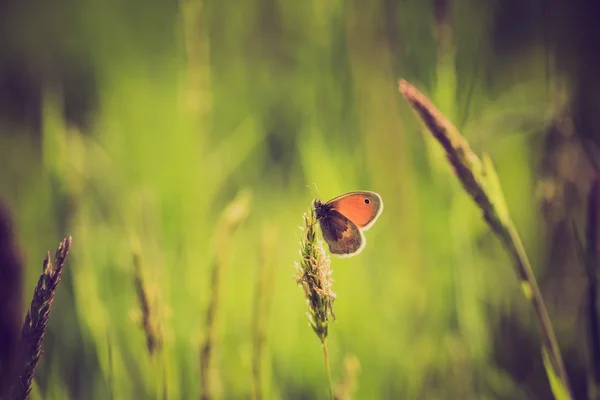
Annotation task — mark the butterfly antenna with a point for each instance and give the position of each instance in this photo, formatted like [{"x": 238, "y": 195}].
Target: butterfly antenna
[{"x": 314, "y": 189}]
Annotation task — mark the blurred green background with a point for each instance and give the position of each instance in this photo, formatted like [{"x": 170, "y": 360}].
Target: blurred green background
[{"x": 131, "y": 126}]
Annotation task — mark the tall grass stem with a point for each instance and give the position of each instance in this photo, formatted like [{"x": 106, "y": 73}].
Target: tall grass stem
[
  {"x": 326, "y": 356},
  {"x": 480, "y": 181},
  {"x": 233, "y": 215},
  {"x": 264, "y": 288}
]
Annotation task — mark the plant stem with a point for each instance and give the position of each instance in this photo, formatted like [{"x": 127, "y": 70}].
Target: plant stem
[
  {"x": 233, "y": 215},
  {"x": 515, "y": 246},
  {"x": 326, "y": 355},
  {"x": 480, "y": 181}
]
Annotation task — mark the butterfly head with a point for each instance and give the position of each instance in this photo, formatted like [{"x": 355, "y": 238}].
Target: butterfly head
[{"x": 321, "y": 209}]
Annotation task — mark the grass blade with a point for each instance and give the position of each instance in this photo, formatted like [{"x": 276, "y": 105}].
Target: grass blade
[{"x": 480, "y": 181}]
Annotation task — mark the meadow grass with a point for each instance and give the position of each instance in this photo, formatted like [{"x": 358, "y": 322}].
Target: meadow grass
[
  {"x": 480, "y": 180},
  {"x": 263, "y": 299},
  {"x": 347, "y": 385},
  {"x": 36, "y": 320},
  {"x": 234, "y": 214},
  {"x": 191, "y": 111},
  {"x": 149, "y": 319},
  {"x": 314, "y": 275}
]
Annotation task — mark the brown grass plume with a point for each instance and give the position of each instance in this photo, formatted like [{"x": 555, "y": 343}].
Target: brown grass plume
[
  {"x": 480, "y": 181},
  {"x": 36, "y": 320}
]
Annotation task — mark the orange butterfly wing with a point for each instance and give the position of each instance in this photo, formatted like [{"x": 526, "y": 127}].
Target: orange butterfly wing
[
  {"x": 362, "y": 208},
  {"x": 342, "y": 235}
]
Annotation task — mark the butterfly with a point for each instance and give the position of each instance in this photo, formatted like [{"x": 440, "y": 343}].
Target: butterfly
[{"x": 344, "y": 218}]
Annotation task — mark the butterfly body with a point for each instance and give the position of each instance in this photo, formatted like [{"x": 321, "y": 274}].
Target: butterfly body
[{"x": 344, "y": 218}]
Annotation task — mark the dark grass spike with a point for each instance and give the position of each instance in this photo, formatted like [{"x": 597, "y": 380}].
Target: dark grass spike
[
  {"x": 150, "y": 321},
  {"x": 36, "y": 320},
  {"x": 11, "y": 304},
  {"x": 479, "y": 180}
]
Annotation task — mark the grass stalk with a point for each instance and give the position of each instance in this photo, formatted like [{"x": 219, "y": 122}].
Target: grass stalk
[
  {"x": 151, "y": 323},
  {"x": 233, "y": 215},
  {"x": 327, "y": 366},
  {"x": 345, "y": 388},
  {"x": 480, "y": 181},
  {"x": 149, "y": 318},
  {"x": 262, "y": 305},
  {"x": 36, "y": 320},
  {"x": 313, "y": 273},
  {"x": 198, "y": 94}
]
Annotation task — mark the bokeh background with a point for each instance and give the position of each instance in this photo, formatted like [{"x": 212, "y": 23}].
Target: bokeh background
[{"x": 132, "y": 126}]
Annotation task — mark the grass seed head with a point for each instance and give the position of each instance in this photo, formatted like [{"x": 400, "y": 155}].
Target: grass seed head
[{"x": 314, "y": 274}]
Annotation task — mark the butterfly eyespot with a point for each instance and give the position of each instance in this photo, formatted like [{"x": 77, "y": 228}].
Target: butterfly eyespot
[{"x": 367, "y": 201}]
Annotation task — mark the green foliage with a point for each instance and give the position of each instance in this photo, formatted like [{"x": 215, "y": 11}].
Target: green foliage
[
  {"x": 479, "y": 179},
  {"x": 295, "y": 96},
  {"x": 559, "y": 389}
]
